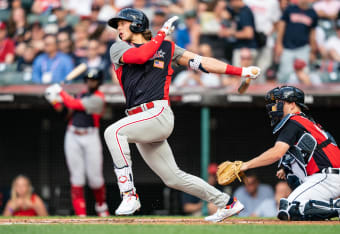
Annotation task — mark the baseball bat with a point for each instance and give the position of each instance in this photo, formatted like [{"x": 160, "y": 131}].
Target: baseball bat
[
  {"x": 244, "y": 86},
  {"x": 76, "y": 72}
]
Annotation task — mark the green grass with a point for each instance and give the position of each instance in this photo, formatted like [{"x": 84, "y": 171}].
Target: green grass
[{"x": 168, "y": 229}]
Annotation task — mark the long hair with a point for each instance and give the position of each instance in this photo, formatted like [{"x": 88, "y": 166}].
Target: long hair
[
  {"x": 147, "y": 34},
  {"x": 14, "y": 195}
]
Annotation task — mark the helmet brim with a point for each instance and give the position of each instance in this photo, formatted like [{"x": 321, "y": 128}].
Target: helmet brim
[{"x": 113, "y": 22}]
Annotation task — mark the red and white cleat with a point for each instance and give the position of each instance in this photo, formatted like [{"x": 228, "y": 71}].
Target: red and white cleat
[
  {"x": 228, "y": 211},
  {"x": 129, "y": 205}
]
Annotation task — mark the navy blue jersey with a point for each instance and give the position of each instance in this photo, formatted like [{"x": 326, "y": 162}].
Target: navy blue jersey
[
  {"x": 150, "y": 81},
  {"x": 244, "y": 18},
  {"x": 90, "y": 116},
  {"x": 299, "y": 24}
]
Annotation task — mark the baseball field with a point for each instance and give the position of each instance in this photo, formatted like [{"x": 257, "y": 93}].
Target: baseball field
[{"x": 161, "y": 225}]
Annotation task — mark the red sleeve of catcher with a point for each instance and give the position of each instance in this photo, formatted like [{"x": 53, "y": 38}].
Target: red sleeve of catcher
[
  {"x": 143, "y": 53},
  {"x": 71, "y": 102}
]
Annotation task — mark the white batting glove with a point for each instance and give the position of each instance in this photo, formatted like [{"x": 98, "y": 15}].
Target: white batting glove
[
  {"x": 251, "y": 72},
  {"x": 52, "y": 93},
  {"x": 168, "y": 26}
]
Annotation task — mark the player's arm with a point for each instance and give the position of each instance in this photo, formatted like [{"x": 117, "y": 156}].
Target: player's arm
[
  {"x": 268, "y": 157},
  {"x": 208, "y": 64},
  {"x": 39, "y": 207}
]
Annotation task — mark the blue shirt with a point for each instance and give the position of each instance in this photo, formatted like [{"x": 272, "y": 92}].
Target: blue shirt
[
  {"x": 299, "y": 24},
  {"x": 244, "y": 18},
  {"x": 58, "y": 67},
  {"x": 252, "y": 203},
  {"x": 182, "y": 36}
]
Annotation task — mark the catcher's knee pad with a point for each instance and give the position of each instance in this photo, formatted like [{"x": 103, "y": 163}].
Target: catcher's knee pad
[
  {"x": 319, "y": 210},
  {"x": 289, "y": 211}
]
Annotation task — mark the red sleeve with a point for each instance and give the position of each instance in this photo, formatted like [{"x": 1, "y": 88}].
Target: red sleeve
[
  {"x": 10, "y": 47},
  {"x": 71, "y": 102},
  {"x": 143, "y": 53}
]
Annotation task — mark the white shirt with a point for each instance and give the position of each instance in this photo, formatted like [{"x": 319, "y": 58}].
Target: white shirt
[
  {"x": 330, "y": 7},
  {"x": 208, "y": 80},
  {"x": 80, "y": 7},
  {"x": 333, "y": 43},
  {"x": 266, "y": 13}
]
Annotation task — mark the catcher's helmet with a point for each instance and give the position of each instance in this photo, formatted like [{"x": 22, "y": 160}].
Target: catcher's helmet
[
  {"x": 139, "y": 20},
  {"x": 94, "y": 74},
  {"x": 288, "y": 94}
]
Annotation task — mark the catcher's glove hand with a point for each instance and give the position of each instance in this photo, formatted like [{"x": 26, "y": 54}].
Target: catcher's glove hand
[{"x": 228, "y": 171}]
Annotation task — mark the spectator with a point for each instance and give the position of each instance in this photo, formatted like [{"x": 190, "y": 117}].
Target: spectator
[
  {"x": 157, "y": 21},
  {"x": 6, "y": 45},
  {"x": 252, "y": 194},
  {"x": 302, "y": 75},
  {"x": 244, "y": 33},
  {"x": 143, "y": 5},
  {"x": 296, "y": 37},
  {"x": 198, "y": 78},
  {"x": 80, "y": 38},
  {"x": 65, "y": 43},
  {"x": 36, "y": 35},
  {"x": 44, "y": 6},
  {"x": 51, "y": 66},
  {"x": 327, "y": 9},
  {"x": 188, "y": 33},
  {"x": 94, "y": 60},
  {"x": 17, "y": 24},
  {"x": 193, "y": 205},
  {"x": 25, "y": 62},
  {"x": 63, "y": 25},
  {"x": 23, "y": 201},
  {"x": 81, "y": 8},
  {"x": 333, "y": 44},
  {"x": 106, "y": 9},
  {"x": 269, "y": 207},
  {"x": 267, "y": 17}
]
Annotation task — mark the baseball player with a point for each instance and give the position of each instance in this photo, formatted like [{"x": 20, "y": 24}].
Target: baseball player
[
  {"x": 82, "y": 144},
  {"x": 143, "y": 67},
  {"x": 308, "y": 151}
]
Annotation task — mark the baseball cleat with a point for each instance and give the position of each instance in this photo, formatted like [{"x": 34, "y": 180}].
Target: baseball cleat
[
  {"x": 229, "y": 210},
  {"x": 129, "y": 205},
  {"x": 102, "y": 210}
]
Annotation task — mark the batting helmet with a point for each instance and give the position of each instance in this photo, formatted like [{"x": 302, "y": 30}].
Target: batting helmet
[
  {"x": 94, "y": 74},
  {"x": 139, "y": 21}
]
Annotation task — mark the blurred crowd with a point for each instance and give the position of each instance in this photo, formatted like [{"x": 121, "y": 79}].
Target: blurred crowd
[{"x": 292, "y": 41}]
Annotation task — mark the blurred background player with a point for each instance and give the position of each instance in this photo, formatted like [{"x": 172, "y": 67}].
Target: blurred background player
[
  {"x": 23, "y": 201},
  {"x": 83, "y": 148}
]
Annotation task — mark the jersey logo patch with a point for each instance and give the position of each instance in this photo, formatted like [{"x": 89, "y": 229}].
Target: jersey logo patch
[{"x": 158, "y": 64}]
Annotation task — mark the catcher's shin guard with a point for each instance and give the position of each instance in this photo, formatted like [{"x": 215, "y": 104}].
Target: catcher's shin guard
[
  {"x": 289, "y": 211},
  {"x": 319, "y": 210}
]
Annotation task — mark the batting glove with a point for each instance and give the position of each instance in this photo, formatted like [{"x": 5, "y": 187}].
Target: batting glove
[
  {"x": 52, "y": 93},
  {"x": 168, "y": 26},
  {"x": 251, "y": 72}
]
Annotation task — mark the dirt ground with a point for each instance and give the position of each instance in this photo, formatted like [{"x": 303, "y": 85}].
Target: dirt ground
[{"x": 144, "y": 220}]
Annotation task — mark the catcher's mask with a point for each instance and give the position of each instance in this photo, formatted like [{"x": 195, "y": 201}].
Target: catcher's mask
[
  {"x": 276, "y": 97},
  {"x": 139, "y": 21}
]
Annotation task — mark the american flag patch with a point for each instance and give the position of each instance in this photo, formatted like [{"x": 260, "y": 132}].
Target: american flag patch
[{"x": 158, "y": 64}]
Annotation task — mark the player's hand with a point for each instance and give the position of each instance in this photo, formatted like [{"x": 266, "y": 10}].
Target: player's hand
[
  {"x": 52, "y": 94},
  {"x": 169, "y": 26},
  {"x": 251, "y": 72},
  {"x": 281, "y": 174},
  {"x": 55, "y": 88}
]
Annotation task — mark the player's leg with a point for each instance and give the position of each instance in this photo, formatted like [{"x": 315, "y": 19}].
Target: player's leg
[
  {"x": 76, "y": 165},
  {"x": 160, "y": 159},
  {"x": 152, "y": 125},
  {"x": 313, "y": 199},
  {"x": 94, "y": 170}
]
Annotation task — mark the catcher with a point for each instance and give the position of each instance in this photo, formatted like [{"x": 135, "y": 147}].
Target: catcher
[{"x": 307, "y": 150}]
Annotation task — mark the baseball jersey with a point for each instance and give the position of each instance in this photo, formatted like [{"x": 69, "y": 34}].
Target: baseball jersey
[
  {"x": 327, "y": 153},
  {"x": 299, "y": 23},
  {"x": 88, "y": 113},
  {"x": 28, "y": 212},
  {"x": 143, "y": 83}
]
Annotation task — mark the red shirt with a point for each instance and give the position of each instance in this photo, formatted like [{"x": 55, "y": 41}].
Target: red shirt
[
  {"x": 6, "y": 47},
  {"x": 29, "y": 212}
]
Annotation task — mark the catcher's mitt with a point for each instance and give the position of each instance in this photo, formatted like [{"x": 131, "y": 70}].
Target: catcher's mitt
[{"x": 228, "y": 171}]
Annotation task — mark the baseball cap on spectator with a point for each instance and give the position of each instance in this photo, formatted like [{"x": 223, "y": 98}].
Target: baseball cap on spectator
[
  {"x": 190, "y": 14},
  {"x": 212, "y": 168},
  {"x": 2, "y": 25}
]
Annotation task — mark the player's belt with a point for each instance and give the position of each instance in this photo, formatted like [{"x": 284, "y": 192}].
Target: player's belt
[
  {"x": 330, "y": 170},
  {"x": 140, "y": 108}
]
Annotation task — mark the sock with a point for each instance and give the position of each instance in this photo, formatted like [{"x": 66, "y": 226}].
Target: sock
[
  {"x": 78, "y": 200},
  {"x": 125, "y": 179},
  {"x": 100, "y": 194}
]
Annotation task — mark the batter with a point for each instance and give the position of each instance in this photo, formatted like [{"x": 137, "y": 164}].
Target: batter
[{"x": 143, "y": 68}]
